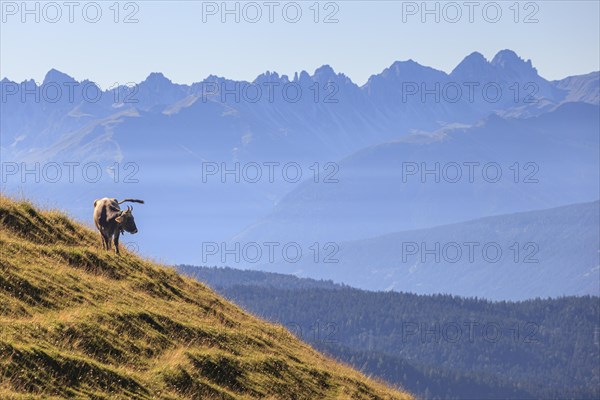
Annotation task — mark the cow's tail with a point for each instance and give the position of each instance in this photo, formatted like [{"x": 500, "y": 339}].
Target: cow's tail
[{"x": 132, "y": 201}]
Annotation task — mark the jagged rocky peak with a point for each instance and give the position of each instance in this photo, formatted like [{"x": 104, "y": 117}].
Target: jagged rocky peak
[
  {"x": 157, "y": 78},
  {"x": 472, "y": 65},
  {"x": 57, "y": 76},
  {"x": 302, "y": 77},
  {"x": 325, "y": 71},
  {"x": 475, "y": 59},
  {"x": 508, "y": 59},
  {"x": 268, "y": 76}
]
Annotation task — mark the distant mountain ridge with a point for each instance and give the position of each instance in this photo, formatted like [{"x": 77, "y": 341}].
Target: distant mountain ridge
[
  {"x": 227, "y": 277},
  {"x": 332, "y": 118},
  {"x": 543, "y": 253}
]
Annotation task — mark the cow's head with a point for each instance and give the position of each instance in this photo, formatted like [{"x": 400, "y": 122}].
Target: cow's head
[{"x": 126, "y": 221}]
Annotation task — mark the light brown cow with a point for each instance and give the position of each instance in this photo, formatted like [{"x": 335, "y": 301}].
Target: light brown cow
[{"x": 111, "y": 221}]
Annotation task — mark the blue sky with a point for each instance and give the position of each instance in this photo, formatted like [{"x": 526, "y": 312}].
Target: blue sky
[{"x": 171, "y": 37}]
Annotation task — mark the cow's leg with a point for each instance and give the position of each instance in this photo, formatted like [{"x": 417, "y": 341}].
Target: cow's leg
[
  {"x": 117, "y": 233},
  {"x": 108, "y": 238},
  {"x": 103, "y": 241}
]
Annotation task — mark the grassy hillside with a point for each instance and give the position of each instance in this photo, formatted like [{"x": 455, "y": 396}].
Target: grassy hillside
[{"x": 79, "y": 322}]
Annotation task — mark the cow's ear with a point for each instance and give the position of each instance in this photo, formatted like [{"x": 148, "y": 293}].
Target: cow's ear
[{"x": 119, "y": 219}]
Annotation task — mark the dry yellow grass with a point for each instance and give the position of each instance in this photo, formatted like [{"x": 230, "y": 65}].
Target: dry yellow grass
[{"x": 79, "y": 322}]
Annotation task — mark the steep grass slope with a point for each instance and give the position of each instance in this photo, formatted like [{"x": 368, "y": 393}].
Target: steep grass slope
[{"x": 79, "y": 322}]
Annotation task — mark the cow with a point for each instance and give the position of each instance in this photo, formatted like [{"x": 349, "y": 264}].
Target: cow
[{"x": 111, "y": 221}]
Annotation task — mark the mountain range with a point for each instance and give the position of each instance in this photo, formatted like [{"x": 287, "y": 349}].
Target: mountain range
[
  {"x": 341, "y": 118},
  {"x": 151, "y": 140}
]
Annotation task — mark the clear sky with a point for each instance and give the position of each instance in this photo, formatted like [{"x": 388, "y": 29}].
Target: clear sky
[{"x": 560, "y": 37}]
